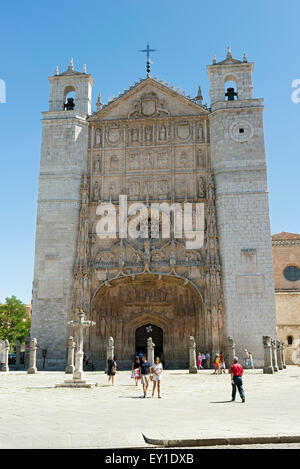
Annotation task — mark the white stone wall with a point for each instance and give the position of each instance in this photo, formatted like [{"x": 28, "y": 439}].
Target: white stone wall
[
  {"x": 243, "y": 223},
  {"x": 63, "y": 160}
]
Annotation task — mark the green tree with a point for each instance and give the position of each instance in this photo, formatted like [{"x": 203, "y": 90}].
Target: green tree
[{"x": 14, "y": 321}]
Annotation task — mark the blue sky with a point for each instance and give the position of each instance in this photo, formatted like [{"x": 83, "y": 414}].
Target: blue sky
[{"x": 36, "y": 36}]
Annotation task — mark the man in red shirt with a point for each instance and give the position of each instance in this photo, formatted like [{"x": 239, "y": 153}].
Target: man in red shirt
[{"x": 237, "y": 371}]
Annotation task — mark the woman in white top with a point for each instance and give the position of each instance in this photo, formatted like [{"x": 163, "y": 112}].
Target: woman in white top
[{"x": 157, "y": 370}]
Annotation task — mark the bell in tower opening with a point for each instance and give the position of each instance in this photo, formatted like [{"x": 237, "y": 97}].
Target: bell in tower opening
[
  {"x": 230, "y": 94},
  {"x": 69, "y": 105}
]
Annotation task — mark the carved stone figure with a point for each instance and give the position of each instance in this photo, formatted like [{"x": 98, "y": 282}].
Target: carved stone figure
[{"x": 96, "y": 191}]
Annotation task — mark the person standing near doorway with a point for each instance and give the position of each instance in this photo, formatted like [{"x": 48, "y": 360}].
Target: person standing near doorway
[
  {"x": 145, "y": 374},
  {"x": 237, "y": 372},
  {"x": 203, "y": 360},
  {"x": 157, "y": 370}
]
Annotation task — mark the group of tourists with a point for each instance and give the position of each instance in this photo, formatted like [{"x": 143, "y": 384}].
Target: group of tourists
[
  {"x": 143, "y": 371},
  {"x": 203, "y": 361}
]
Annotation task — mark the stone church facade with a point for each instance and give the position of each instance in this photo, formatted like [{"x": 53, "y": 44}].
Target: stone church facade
[{"x": 154, "y": 144}]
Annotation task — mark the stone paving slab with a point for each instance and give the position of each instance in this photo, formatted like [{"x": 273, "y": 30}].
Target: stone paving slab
[{"x": 35, "y": 414}]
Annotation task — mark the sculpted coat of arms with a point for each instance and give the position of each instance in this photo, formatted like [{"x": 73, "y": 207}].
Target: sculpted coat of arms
[{"x": 148, "y": 105}]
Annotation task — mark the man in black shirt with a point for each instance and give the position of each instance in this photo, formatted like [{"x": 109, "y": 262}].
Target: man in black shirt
[{"x": 145, "y": 371}]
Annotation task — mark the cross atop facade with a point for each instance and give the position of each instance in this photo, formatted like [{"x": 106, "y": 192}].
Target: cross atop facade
[{"x": 147, "y": 51}]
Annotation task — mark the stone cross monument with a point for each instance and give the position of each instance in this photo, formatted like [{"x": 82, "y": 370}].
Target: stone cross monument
[
  {"x": 78, "y": 376},
  {"x": 150, "y": 350},
  {"x": 70, "y": 361},
  {"x": 268, "y": 363},
  {"x": 192, "y": 355},
  {"x": 32, "y": 358}
]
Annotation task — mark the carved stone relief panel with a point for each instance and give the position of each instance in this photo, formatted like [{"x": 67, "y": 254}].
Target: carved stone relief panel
[
  {"x": 133, "y": 161},
  {"x": 183, "y": 131},
  {"x": 114, "y": 135},
  {"x": 133, "y": 188},
  {"x": 148, "y": 160},
  {"x": 112, "y": 187},
  {"x": 113, "y": 160},
  {"x": 162, "y": 160},
  {"x": 183, "y": 158}
]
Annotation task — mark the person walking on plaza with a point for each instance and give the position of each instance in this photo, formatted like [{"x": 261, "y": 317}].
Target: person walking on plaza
[
  {"x": 111, "y": 370},
  {"x": 237, "y": 371},
  {"x": 250, "y": 361},
  {"x": 136, "y": 370},
  {"x": 157, "y": 370},
  {"x": 223, "y": 366},
  {"x": 203, "y": 360},
  {"x": 199, "y": 362},
  {"x": 246, "y": 358},
  {"x": 207, "y": 358},
  {"x": 217, "y": 365},
  {"x": 145, "y": 372}
]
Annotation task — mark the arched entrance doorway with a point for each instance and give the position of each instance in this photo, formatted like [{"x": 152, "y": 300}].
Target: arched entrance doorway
[
  {"x": 149, "y": 330},
  {"x": 124, "y": 308}
]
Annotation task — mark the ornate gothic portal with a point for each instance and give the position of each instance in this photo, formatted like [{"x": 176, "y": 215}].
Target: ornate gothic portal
[{"x": 124, "y": 309}]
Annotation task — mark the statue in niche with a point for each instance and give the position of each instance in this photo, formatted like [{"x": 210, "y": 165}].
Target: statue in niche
[
  {"x": 98, "y": 137},
  {"x": 96, "y": 191},
  {"x": 200, "y": 159},
  {"x": 162, "y": 133},
  {"x": 183, "y": 160},
  {"x": 201, "y": 186},
  {"x": 97, "y": 164},
  {"x": 148, "y": 134},
  {"x": 134, "y": 135},
  {"x": 200, "y": 132}
]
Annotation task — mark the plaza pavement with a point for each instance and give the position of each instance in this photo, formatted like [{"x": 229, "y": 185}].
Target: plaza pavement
[{"x": 35, "y": 414}]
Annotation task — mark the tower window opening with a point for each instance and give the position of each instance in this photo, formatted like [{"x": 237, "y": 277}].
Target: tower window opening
[
  {"x": 290, "y": 340},
  {"x": 231, "y": 88},
  {"x": 241, "y": 130},
  {"x": 69, "y": 98}
]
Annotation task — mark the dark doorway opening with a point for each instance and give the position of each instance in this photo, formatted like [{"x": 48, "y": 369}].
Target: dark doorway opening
[{"x": 141, "y": 336}]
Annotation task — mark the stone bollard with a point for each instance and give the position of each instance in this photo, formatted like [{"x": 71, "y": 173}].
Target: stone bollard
[
  {"x": 5, "y": 366},
  {"x": 18, "y": 355},
  {"x": 27, "y": 351},
  {"x": 268, "y": 364},
  {"x": 229, "y": 352},
  {"x": 283, "y": 356},
  {"x": 150, "y": 351},
  {"x": 274, "y": 355},
  {"x": 192, "y": 355},
  {"x": 70, "y": 361},
  {"x": 32, "y": 359},
  {"x": 110, "y": 351},
  {"x": 279, "y": 355}
]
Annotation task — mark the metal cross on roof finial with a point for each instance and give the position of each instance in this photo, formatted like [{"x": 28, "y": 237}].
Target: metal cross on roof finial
[{"x": 148, "y": 50}]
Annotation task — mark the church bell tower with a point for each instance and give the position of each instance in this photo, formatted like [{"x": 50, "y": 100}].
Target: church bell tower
[
  {"x": 239, "y": 170},
  {"x": 63, "y": 161}
]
